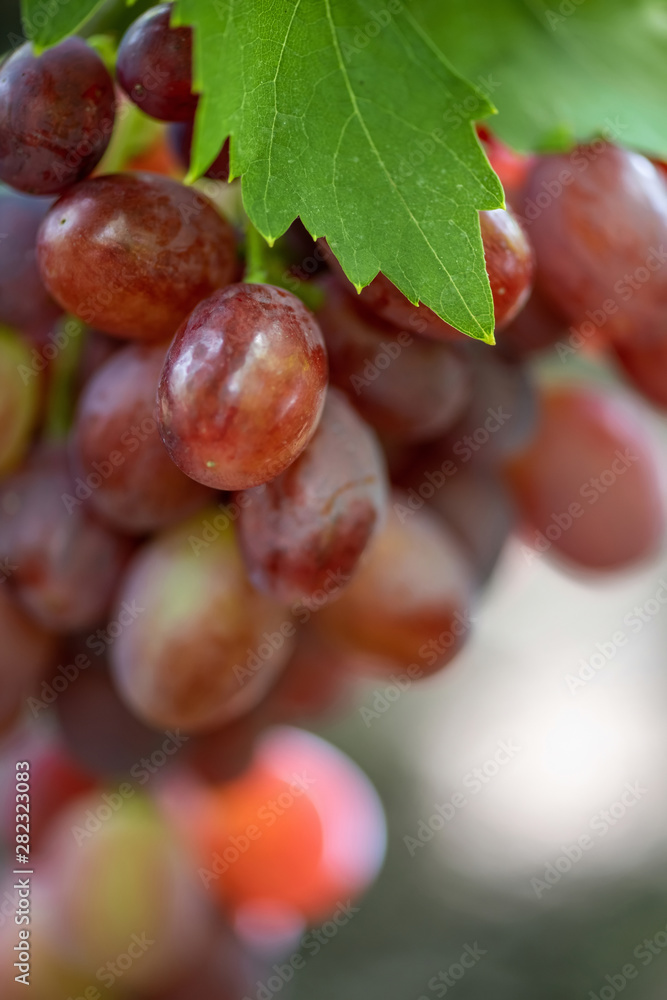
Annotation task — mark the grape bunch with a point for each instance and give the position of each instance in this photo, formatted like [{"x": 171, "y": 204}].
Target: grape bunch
[{"x": 220, "y": 508}]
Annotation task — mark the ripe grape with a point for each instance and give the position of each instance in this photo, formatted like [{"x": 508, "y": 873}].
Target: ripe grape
[
  {"x": 19, "y": 399},
  {"x": 509, "y": 263},
  {"x": 312, "y": 524},
  {"x": 152, "y": 247},
  {"x": 206, "y": 646},
  {"x": 589, "y": 485},
  {"x": 26, "y": 653},
  {"x": 644, "y": 362},
  {"x": 597, "y": 219},
  {"x": 243, "y": 387},
  {"x": 536, "y": 328},
  {"x": 66, "y": 563},
  {"x": 24, "y": 301},
  {"x": 477, "y": 507},
  {"x": 56, "y": 116},
  {"x": 154, "y": 66},
  {"x": 406, "y": 387},
  {"x": 410, "y": 599},
  {"x": 181, "y": 140},
  {"x": 118, "y": 451},
  {"x": 499, "y": 419}
]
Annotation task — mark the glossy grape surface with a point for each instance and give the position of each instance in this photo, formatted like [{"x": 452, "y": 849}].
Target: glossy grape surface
[
  {"x": 56, "y": 116},
  {"x": 308, "y": 528},
  {"x": 243, "y": 387},
  {"x": 207, "y": 646},
  {"x": 589, "y": 486},
  {"x": 118, "y": 452},
  {"x": 154, "y": 66},
  {"x": 510, "y": 266},
  {"x": 407, "y": 387},
  {"x": 152, "y": 248},
  {"x": 597, "y": 219}
]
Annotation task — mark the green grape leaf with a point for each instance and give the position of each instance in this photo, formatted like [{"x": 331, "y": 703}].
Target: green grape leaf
[
  {"x": 47, "y": 22},
  {"x": 339, "y": 112},
  {"x": 561, "y": 71}
]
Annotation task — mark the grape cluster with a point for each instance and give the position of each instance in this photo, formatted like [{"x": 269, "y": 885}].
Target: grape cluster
[{"x": 219, "y": 509}]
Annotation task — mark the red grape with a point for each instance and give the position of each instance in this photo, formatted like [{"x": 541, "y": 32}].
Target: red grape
[
  {"x": 26, "y": 653},
  {"x": 66, "y": 563},
  {"x": 589, "y": 485},
  {"x": 477, "y": 507},
  {"x": 312, "y": 524},
  {"x": 181, "y": 140},
  {"x": 645, "y": 364},
  {"x": 410, "y": 600},
  {"x": 598, "y": 219},
  {"x": 243, "y": 387},
  {"x": 24, "y": 301},
  {"x": 509, "y": 262},
  {"x": 536, "y": 328},
  {"x": 152, "y": 247},
  {"x": 206, "y": 646},
  {"x": 154, "y": 66},
  {"x": 56, "y": 116},
  {"x": 119, "y": 453},
  {"x": 406, "y": 387}
]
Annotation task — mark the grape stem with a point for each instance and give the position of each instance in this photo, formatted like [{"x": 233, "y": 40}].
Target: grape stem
[
  {"x": 257, "y": 256},
  {"x": 64, "y": 368}
]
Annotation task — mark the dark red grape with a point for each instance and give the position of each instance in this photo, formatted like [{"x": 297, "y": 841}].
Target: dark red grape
[
  {"x": 154, "y": 66},
  {"x": 26, "y": 652},
  {"x": 181, "y": 140},
  {"x": 410, "y": 600},
  {"x": 152, "y": 247},
  {"x": 117, "y": 450},
  {"x": 536, "y": 328},
  {"x": 243, "y": 387},
  {"x": 24, "y": 301},
  {"x": 405, "y": 386},
  {"x": 66, "y": 563},
  {"x": 310, "y": 526},
  {"x": 644, "y": 362},
  {"x": 477, "y": 507},
  {"x": 206, "y": 646},
  {"x": 509, "y": 262},
  {"x": 589, "y": 485},
  {"x": 598, "y": 219},
  {"x": 56, "y": 116}
]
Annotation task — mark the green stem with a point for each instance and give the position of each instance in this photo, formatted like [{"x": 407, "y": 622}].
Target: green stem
[
  {"x": 64, "y": 367},
  {"x": 257, "y": 256}
]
